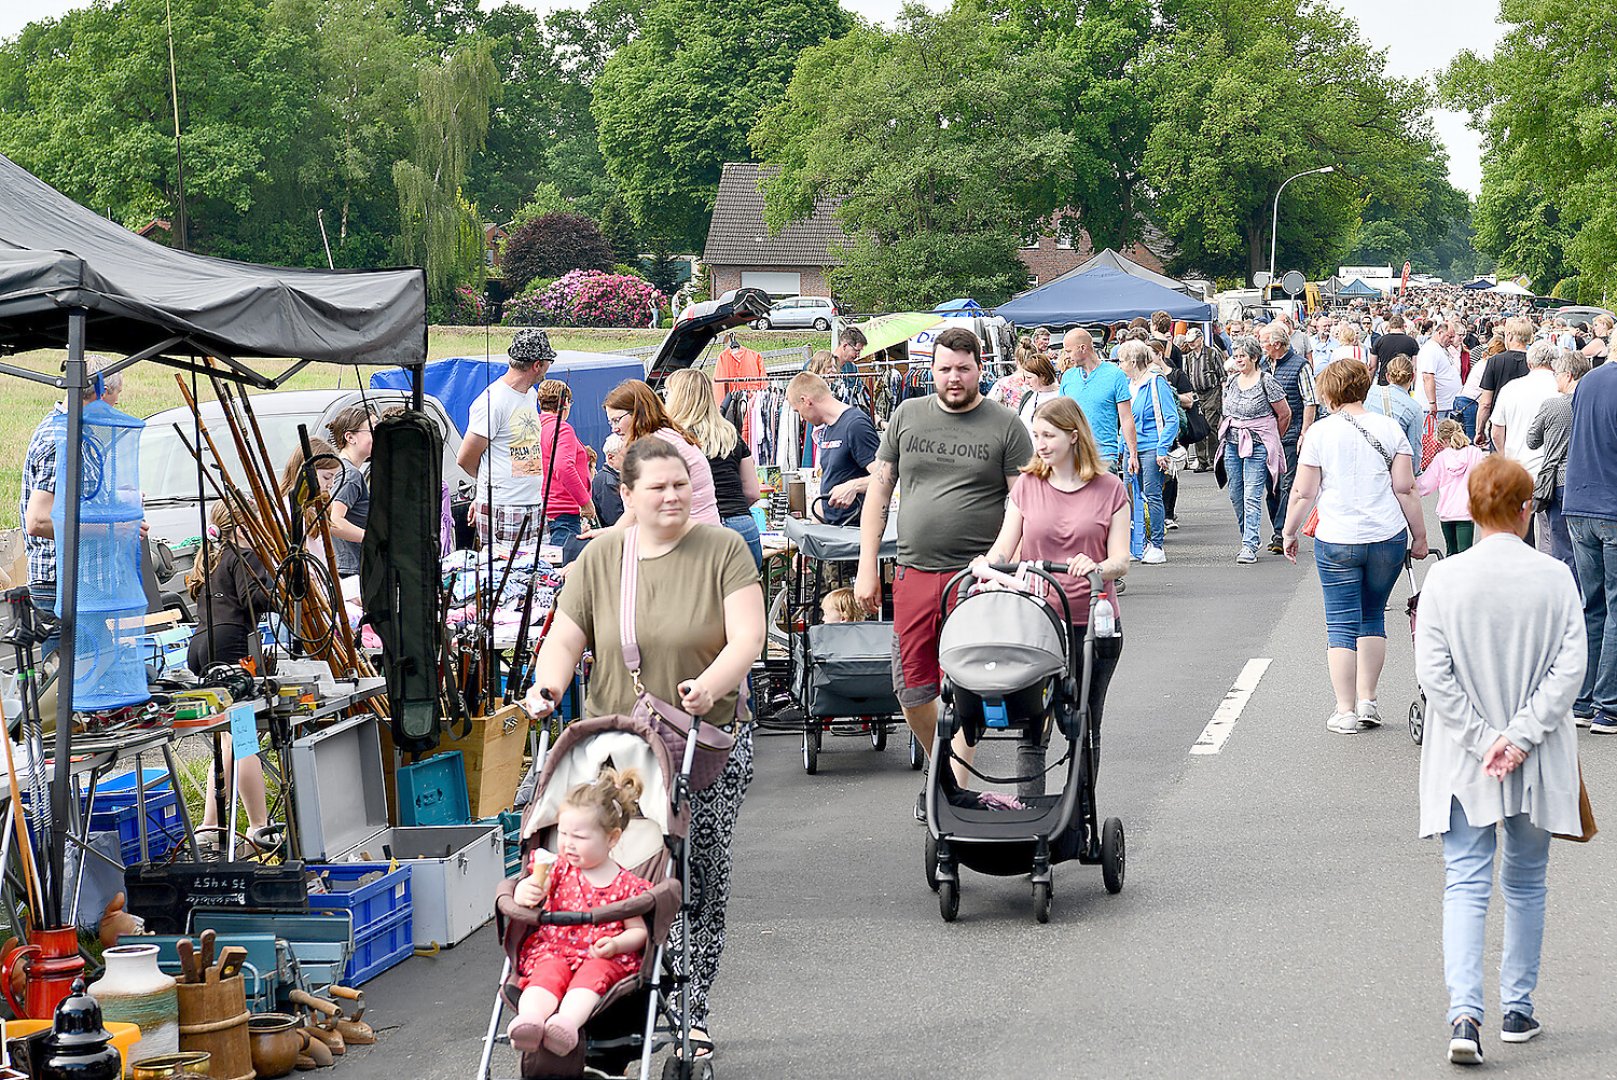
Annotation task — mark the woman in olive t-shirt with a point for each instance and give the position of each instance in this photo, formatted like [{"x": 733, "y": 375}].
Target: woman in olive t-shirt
[{"x": 699, "y": 620}]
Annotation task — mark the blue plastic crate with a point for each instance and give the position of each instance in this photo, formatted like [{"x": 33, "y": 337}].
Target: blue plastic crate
[
  {"x": 117, "y": 811},
  {"x": 510, "y": 823},
  {"x": 372, "y": 905},
  {"x": 433, "y": 792},
  {"x": 386, "y": 946}
]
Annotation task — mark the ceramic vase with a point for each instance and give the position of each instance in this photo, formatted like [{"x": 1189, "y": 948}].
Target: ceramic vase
[{"x": 135, "y": 991}]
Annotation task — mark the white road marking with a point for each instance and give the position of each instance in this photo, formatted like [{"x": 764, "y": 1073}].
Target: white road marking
[{"x": 1218, "y": 729}]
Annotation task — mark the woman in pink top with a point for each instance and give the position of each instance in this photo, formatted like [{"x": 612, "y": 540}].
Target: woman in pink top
[
  {"x": 636, "y": 412},
  {"x": 567, "y": 472},
  {"x": 1448, "y": 475},
  {"x": 1068, "y": 508}
]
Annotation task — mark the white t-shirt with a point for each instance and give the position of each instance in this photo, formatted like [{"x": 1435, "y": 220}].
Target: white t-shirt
[
  {"x": 510, "y": 422},
  {"x": 1473, "y": 382},
  {"x": 1518, "y": 404},
  {"x": 1032, "y": 400},
  {"x": 1435, "y": 360},
  {"x": 1356, "y": 502}
]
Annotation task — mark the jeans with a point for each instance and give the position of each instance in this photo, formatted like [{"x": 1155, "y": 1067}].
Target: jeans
[
  {"x": 563, "y": 527},
  {"x": 1357, "y": 579},
  {"x": 747, "y": 526},
  {"x": 1249, "y": 480},
  {"x": 43, "y": 595},
  {"x": 1281, "y": 495},
  {"x": 1594, "y": 551},
  {"x": 1553, "y": 537},
  {"x": 1468, "y": 857},
  {"x": 1465, "y": 411},
  {"x": 1148, "y": 484}
]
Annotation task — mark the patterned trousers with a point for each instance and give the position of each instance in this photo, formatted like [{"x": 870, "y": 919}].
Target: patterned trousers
[{"x": 713, "y": 822}]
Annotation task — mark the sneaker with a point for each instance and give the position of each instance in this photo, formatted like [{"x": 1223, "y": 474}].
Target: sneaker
[
  {"x": 1600, "y": 723},
  {"x": 920, "y": 807},
  {"x": 1277, "y": 544},
  {"x": 1369, "y": 714},
  {"x": 1155, "y": 556},
  {"x": 1170, "y": 523},
  {"x": 1344, "y": 723},
  {"x": 1465, "y": 1042},
  {"x": 1518, "y": 1027},
  {"x": 1582, "y": 719},
  {"x": 1246, "y": 555}
]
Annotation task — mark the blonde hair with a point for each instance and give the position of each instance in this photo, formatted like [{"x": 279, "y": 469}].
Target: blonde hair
[
  {"x": 845, "y": 604},
  {"x": 224, "y": 521},
  {"x": 823, "y": 362},
  {"x": 1451, "y": 433},
  {"x": 691, "y": 405},
  {"x": 1064, "y": 415},
  {"x": 613, "y": 797},
  {"x": 807, "y": 386}
]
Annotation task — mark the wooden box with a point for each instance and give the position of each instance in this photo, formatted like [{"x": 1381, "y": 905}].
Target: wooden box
[{"x": 493, "y": 753}]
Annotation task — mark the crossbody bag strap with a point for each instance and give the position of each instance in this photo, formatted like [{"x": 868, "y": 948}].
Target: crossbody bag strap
[
  {"x": 628, "y": 587},
  {"x": 1386, "y": 458},
  {"x": 1156, "y": 405}
]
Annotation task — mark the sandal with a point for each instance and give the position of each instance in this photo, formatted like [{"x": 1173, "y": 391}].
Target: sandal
[{"x": 702, "y": 1046}]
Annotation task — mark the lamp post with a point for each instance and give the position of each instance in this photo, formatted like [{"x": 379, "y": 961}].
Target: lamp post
[{"x": 1274, "y": 224}]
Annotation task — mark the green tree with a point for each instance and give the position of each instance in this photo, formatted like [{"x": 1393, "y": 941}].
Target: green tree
[
  {"x": 438, "y": 227},
  {"x": 677, "y": 101},
  {"x": 552, "y": 244},
  {"x": 1247, "y": 93},
  {"x": 1544, "y": 103},
  {"x": 938, "y": 141}
]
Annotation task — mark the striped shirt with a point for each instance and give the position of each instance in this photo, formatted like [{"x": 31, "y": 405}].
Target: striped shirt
[{"x": 39, "y": 474}]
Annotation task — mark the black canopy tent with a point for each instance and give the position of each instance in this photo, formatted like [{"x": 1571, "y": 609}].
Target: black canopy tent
[{"x": 71, "y": 279}]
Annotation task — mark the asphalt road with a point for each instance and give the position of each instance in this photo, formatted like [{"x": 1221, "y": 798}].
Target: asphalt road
[{"x": 1280, "y": 917}]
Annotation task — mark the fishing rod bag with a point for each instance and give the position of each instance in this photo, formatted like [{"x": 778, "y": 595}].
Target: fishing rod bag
[{"x": 399, "y": 570}]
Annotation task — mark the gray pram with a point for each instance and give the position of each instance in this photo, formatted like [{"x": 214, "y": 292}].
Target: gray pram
[
  {"x": 1013, "y": 671},
  {"x": 841, "y": 672}
]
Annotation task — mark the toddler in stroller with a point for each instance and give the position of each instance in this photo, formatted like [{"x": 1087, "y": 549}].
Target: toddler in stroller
[{"x": 566, "y": 969}]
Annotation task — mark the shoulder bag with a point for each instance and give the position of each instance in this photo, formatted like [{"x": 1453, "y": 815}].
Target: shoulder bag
[
  {"x": 1312, "y": 526},
  {"x": 1178, "y": 455},
  {"x": 713, "y": 743}
]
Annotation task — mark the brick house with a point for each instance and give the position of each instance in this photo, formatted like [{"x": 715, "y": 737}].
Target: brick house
[{"x": 740, "y": 251}]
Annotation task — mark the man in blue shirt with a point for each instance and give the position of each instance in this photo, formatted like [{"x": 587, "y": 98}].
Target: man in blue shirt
[
  {"x": 1102, "y": 392},
  {"x": 1590, "y": 508},
  {"x": 848, "y": 443}
]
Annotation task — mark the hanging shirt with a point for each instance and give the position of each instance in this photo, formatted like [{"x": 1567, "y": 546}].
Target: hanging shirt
[{"x": 736, "y": 364}]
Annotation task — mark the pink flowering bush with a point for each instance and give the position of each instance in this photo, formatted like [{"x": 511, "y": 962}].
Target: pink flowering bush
[{"x": 587, "y": 298}]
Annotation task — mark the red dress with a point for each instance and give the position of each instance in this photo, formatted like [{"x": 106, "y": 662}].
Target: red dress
[{"x": 571, "y": 891}]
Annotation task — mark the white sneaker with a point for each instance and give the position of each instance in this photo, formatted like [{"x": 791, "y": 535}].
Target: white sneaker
[
  {"x": 1170, "y": 523},
  {"x": 1343, "y": 723},
  {"x": 1154, "y": 556},
  {"x": 1246, "y": 555},
  {"x": 1369, "y": 714}
]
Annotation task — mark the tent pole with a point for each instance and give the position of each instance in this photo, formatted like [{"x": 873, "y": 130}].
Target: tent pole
[
  {"x": 67, "y": 576},
  {"x": 418, "y": 392}
]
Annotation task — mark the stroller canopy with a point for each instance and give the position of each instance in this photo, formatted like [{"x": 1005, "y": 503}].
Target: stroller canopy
[
  {"x": 997, "y": 642},
  {"x": 837, "y": 543}
]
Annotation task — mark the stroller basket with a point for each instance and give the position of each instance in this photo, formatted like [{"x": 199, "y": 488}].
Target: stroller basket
[{"x": 850, "y": 668}]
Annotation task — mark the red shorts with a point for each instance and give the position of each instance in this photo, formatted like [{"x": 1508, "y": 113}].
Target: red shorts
[
  {"x": 555, "y": 976},
  {"x": 917, "y": 596}
]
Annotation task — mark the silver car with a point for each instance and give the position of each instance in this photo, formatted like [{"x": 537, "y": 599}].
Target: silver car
[{"x": 798, "y": 313}]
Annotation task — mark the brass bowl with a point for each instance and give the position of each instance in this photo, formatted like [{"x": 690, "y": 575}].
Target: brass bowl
[{"x": 172, "y": 1066}]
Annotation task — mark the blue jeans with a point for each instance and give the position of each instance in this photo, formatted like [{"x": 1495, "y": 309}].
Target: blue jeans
[
  {"x": 1148, "y": 484},
  {"x": 1465, "y": 411},
  {"x": 748, "y": 528},
  {"x": 1468, "y": 856},
  {"x": 1594, "y": 551},
  {"x": 1280, "y": 497},
  {"x": 44, "y": 598},
  {"x": 1357, "y": 579},
  {"x": 563, "y": 527},
  {"x": 1249, "y": 480},
  {"x": 1553, "y": 537}
]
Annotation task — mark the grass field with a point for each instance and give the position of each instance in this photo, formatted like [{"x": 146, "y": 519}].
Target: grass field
[{"x": 150, "y": 388}]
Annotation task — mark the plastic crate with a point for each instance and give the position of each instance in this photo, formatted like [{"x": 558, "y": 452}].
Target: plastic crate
[
  {"x": 386, "y": 946},
  {"x": 510, "y": 823},
  {"x": 373, "y": 905},
  {"x": 117, "y": 811},
  {"x": 434, "y": 792}
]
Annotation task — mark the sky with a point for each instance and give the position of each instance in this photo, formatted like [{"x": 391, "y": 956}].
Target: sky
[{"x": 1420, "y": 36}]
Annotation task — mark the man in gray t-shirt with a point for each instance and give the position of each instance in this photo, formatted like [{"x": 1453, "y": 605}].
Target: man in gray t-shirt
[{"x": 954, "y": 455}]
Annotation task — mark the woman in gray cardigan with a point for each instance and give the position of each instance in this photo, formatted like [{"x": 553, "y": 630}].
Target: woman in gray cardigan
[{"x": 1500, "y": 652}]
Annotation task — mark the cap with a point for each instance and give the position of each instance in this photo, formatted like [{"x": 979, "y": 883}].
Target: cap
[{"x": 530, "y": 346}]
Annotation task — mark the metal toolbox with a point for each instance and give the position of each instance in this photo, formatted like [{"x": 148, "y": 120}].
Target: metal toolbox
[{"x": 340, "y": 796}]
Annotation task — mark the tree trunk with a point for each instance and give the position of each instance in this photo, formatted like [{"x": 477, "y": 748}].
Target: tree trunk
[{"x": 1256, "y": 258}]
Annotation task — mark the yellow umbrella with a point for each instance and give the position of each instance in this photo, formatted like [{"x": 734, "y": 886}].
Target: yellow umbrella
[{"x": 885, "y": 331}]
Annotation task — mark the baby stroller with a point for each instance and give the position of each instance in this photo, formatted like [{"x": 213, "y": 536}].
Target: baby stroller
[
  {"x": 645, "y": 1012},
  {"x": 840, "y": 671},
  {"x": 1417, "y": 708},
  {"x": 1012, "y": 671}
]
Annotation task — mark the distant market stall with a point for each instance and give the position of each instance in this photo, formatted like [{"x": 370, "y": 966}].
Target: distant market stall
[{"x": 1102, "y": 295}]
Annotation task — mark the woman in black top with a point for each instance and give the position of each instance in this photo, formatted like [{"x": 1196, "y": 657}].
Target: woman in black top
[{"x": 692, "y": 406}]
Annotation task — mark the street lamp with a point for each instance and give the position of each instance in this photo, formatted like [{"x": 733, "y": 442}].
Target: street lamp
[{"x": 1274, "y": 224}]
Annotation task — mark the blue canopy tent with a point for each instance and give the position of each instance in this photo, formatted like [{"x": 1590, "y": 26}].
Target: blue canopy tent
[
  {"x": 1478, "y": 285},
  {"x": 456, "y": 382},
  {"x": 1103, "y": 294},
  {"x": 960, "y": 306},
  {"x": 1356, "y": 289}
]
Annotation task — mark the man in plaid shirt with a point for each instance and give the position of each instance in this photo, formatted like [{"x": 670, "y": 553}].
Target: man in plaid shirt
[{"x": 39, "y": 492}]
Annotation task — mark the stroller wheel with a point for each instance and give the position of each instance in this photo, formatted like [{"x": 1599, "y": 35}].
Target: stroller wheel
[
  {"x": 949, "y": 900},
  {"x": 676, "y": 1068},
  {"x": 1417, "y": 720},
  {"x": 917, "y": 755},
  {"x": 878, "y": 732},
  {"x": 811, "y": 748},
  {"x": 931, "y": 861},
  {"x": 1112, "y": 855},
  {"x": 1041, "y": 901}
]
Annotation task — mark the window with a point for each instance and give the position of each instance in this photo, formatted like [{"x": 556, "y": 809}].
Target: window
[
  {"x": 1032, "y": 244},
  {"x": 1064, "y": 243},
  {"x": 1033, "y": 281}
]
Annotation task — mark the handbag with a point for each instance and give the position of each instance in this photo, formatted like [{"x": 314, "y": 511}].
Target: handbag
[
  {"x": 673, "y": 724},
  {"x": 1586, "y": 815},
  {"x": 1429, "y": 446}
]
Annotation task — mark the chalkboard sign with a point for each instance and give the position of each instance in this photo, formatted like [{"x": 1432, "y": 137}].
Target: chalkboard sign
[{"x": 165, "y": 895}]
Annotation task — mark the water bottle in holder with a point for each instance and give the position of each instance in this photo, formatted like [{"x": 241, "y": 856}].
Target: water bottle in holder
[{"x": 1105, "y": 618}]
